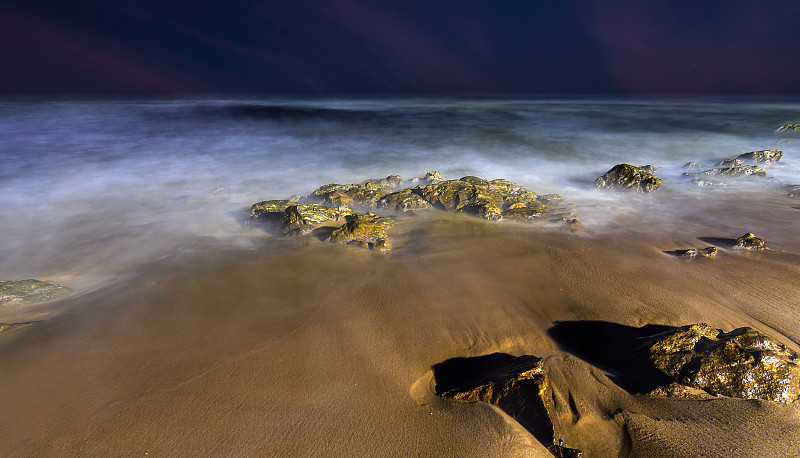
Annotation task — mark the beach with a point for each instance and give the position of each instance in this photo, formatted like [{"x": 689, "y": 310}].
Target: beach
[{"x": 190, "y": 332}]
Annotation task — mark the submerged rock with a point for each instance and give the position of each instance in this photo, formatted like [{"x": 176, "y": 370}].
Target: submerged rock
[
  {"x": 743, "y": 363},
  {"x": 749, "y": 242},
  {"x": 727, "y": 163},
  {"x": 292, "y": 215},
  {"x": 30, "y": 291},
  {"x": 649, "y": 169},
  {"x": 691, "y": 166},
  {"x": 767, "y": 156},
  {"x": 630, "y": 178},
  {"x": 793, "y": 190},
  {"x": 707, "y": 252},
  {"x": 430, "y": 178},
  {"x": 517, "y": 385},
  {"x": 736, "y": 171}
]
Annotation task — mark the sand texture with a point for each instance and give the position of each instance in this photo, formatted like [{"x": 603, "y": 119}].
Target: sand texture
[{"x": 300, "y": 348}]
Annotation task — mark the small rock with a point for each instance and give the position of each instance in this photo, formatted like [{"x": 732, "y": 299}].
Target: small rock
[
  {"x": 365, "y": 232},
  {"x": 30, "y": 291},
  {"x": 789, "y": 128},
  {"x": 572, "y": 225},
  {"x": 736, "y": 171},
  {"x": 628, "y": 177},
  {"x": 707, "y": 252},
  {"x": 730, "y": 163},
  {"x": 767, "y": 156},
  {"x": 793, "y": 190},
  {"x": 749, "y": 242}
]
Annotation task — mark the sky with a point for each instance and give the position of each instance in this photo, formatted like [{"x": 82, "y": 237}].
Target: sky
[{"x": 336, "y": 47}]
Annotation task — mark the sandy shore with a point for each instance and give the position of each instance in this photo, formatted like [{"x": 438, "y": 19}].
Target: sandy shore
[{"x": 298, "y": 348}]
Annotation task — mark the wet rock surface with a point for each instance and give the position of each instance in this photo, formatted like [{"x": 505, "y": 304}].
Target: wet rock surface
[
  {"x": 708, "y": 252},
  {"x": 629, "y": 178},
  {"x": 30, "y": 291},
  {"x": 767, "y": 156},
  {"x": 743, "y": 363},
  {"x": 517, "y": 385},
  {"x": 749, "y": 242},
  {"x": 789, "y": 128}
]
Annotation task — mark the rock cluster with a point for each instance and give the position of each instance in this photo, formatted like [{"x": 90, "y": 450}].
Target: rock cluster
[
  {"x": 30, "y": 291},
  {"x": 789, "y": 128},
  {"x": 629, "y": 178},
  {"x": 743, "y": 363},
  {"x": 491, "y": 200},
  {"x": 744, "y": 165},
  {"x": 707, "y": 252},
  {"x": 517, "y": 385}
]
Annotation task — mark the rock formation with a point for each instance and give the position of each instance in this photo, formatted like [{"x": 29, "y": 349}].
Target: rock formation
[
  {"x": 743, "y": 363},
  {"x": 767, "y": 156},
  {"x": 707, "y": 252},
  {"x": 789, "y": 128},
  {"x": 629, "y": 178},
  {"x": 517, "y": 385}
]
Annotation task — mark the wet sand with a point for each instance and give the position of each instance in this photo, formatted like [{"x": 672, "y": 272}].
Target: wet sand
[{"x": 298, "y": 348}]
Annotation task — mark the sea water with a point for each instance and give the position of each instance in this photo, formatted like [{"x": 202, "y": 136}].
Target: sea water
[{"x": 96, "y": 187}]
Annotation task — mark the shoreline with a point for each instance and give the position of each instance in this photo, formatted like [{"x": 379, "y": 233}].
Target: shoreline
[{"x": 299, "y": 347}]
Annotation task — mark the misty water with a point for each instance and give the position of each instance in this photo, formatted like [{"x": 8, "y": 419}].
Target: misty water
[{"x": 94, "y": 188}]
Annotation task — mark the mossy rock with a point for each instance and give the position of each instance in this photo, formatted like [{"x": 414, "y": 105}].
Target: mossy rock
[
  {"x": 743, "y": 363},
  {"x": 364, "y": 194},
  {"x": 789, "y": 128},
  {"x": 30, "y": 291},
  {"x": 727, "y": 163},
  {"x": 362, "y": 232},
  {"x": 735, "y": 171},
  {"x": 526, "y": 213},
  {"x": 483, "y": 209},
  {"x": 270, "y": 210},
  {"x": 767, "y": 156},
  {"x": 404, "y": 201},
  {"x": 628, "y": 178}
]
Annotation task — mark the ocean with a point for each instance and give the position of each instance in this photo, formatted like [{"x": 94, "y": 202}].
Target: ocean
[{"x": 91, "y": 188}]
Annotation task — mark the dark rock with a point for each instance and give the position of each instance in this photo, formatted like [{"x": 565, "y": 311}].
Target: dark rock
[
  {"x": 707, "y": 252},
  {"x": 292, "y": 215},
  {"x": 30, "y": 291},
  {"x": 629, "y": 178},
  {"x": 368, "y": 231},
  {"x": 526, "y": 213},
  {"x": 364, "y": 194},
  {"x": 749, "y": 242},
  {"x": 406, "y": 200},
  {"x": 767, "y": 156},
  {"x": 743, "y": 363},
  {"x": 517, "y": 385}
]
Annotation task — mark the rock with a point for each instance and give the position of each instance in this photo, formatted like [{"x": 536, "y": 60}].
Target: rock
[
  {"x": 793, "y": 190},
  {"x": 706, "y": 183},
  {"x": 292, "y": 215},
  {"x": 364, "y": 194},
  {"x": 404, "y": 201},
  {"x": 730, "y": 163},
  {"x": 392, "y": 181},
  {"x": 789, "y": 128},
  {"x": 749, "y": 242},
  {"x": 270, "y": 210},
  {"x": 649, "y": 169},
  {"x": 430, "y": 178},
  {"x": 691, "y": 166},
  {"x": 628, "y": 177},
  {"x": 483, "y": 209},
  {"x": 767, "y": 156},
  {"x": 526, "y": 213},
  {"x": 517, "y": 385},
  {"x": 572, "y": 225},
  {"x": 707, "y": 252},
  {"x": 743, "y": 363},
  {"x": 30, "y": 291},
  {"x": 735, "y": 171},
  {"x": 676, "y": 390},
  {"x": 364, "y": 231},
  {"x": 451, "y": 195}
]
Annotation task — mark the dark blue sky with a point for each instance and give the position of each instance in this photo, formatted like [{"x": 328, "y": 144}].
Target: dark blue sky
[{"x": 404, "y": 47}]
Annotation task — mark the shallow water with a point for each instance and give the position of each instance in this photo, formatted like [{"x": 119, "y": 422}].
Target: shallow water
[{"x": 93, "y": 188}]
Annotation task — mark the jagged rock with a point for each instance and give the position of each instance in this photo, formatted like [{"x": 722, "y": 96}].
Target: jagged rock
[
  {"x": 368, "y": 231},
  {"x": 735, "y": 171},
  {"x": 628, "y": 177},
  {"x": 430, "y": 178},
  {"x": 707, "y": 252},
  {"x": 727, "y": 163},
  {"x": 364, "y": 194},
  {"x": 405, "y": 201},
  {"x": 483, "y": 209},
  {"x": 291, "y": 215},
  {"x": 749, "y": 242},
  {"x": 743, "y": 363},
  {"x": 517, "y": 385},
  {"x": 30, "y": 291},
  {"x": 649, "y": 169},
  {"x": 451, "y": 195},
  {"x": 526, "y": 213},
  {"x": 767, "y": 156},
  {"x": 789, "y": 128}
]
